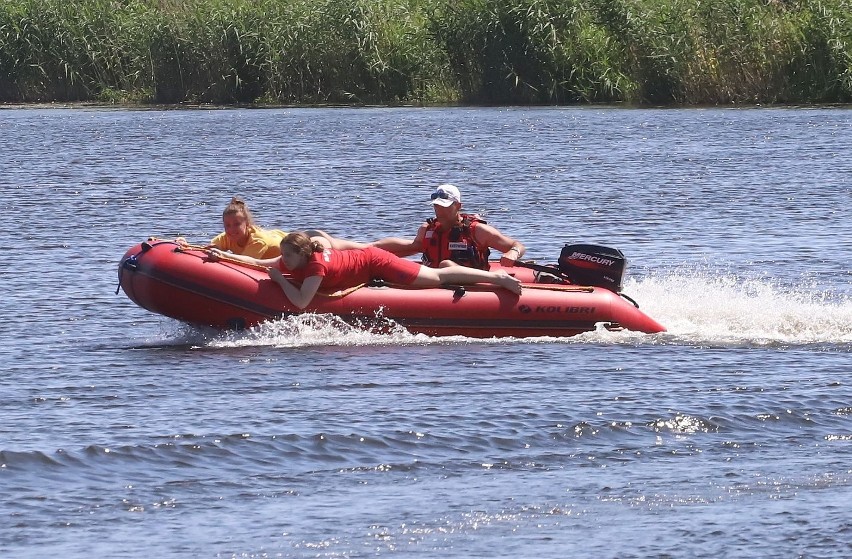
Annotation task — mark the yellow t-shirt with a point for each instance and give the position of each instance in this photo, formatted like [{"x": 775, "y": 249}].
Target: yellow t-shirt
[{"x": 262, "y": 243}]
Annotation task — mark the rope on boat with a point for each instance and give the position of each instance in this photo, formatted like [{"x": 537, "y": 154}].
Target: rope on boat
[
  {"x": 552, "y": 287},
  {"x": 342, "y": 292}
]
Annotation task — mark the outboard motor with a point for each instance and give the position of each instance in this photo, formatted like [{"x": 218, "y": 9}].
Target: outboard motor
[{"x": 594, "y": 265}]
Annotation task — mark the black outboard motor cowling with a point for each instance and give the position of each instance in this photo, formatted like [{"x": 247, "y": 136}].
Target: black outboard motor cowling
[{"x": 594, "y": 265}]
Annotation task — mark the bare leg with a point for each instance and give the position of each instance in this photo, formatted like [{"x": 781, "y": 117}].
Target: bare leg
[
  {"x": 344, "y": 244},
  {"x": 433, "y": 277},
  {"x": 328, "y": 241}
]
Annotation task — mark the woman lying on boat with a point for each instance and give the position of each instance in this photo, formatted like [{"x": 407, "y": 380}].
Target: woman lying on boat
[
  {"x": 243, "y": 236},
  {"x": 312, "y": 265}
]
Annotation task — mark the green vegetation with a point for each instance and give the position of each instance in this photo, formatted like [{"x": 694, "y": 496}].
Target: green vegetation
[{"x": 426, "y": 51}]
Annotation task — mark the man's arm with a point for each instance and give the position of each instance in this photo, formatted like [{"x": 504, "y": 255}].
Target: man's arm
[
  {"x": 492, "y": 238},
  {"x": 400, "y": 246}
]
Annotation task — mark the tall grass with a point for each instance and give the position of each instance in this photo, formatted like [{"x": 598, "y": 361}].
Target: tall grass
[
  {"x": 426, "y": 51},
  {"x": 529, "y": 51},
  {"x": 363, "y": 51}
]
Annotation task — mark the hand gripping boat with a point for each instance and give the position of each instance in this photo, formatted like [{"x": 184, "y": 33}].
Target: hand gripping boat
[{"x": 184, "y": 283}]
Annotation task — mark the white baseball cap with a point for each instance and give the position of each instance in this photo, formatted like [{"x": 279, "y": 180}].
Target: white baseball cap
[{"x": 445, "y": 195}]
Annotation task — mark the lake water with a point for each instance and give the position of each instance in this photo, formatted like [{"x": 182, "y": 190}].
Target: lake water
[{"x": 126, "y": 434}]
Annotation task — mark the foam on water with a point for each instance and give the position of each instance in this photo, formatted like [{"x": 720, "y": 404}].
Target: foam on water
[
  {"x": 696, "y": 306},
  {"x": 706, "y": 307}
]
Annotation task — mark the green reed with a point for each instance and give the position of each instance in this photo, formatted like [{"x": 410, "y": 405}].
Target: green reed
[{"x": 427, "y": 51}]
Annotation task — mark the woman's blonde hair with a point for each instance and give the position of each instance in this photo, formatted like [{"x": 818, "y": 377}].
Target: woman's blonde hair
[
  {"x": 238, "y": 206},
  {"x": 301, "y": 244}
]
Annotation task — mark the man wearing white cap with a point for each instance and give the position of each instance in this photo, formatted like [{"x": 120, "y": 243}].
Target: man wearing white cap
[{"x": 452, "y": 237}]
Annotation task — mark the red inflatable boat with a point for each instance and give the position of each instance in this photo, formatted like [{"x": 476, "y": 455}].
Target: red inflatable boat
[{"x": 183, "y": 283}]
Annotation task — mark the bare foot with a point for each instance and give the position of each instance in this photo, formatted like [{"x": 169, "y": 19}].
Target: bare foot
[{"x": 506, "y": 281}]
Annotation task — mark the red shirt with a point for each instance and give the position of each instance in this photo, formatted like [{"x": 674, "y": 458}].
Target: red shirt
[{"x": 341, "y": 269}]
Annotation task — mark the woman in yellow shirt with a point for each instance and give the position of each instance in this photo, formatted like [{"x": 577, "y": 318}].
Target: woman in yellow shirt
[{"x": 243, "y": 236}]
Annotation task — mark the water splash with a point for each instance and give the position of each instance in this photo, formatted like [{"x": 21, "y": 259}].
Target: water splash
[
  {"x": 703, "y": 306},
  {"x": 315, "y": 330}
]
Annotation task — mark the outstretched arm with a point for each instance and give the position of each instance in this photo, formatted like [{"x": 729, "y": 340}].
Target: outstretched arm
[
  {"x": 216, "y": 254},
  {"x": 512, "y": 249},
  {"x": 400, "y": 246},
  {"x": 302, "y": 296},
  {"x": 397, "y": 245}
]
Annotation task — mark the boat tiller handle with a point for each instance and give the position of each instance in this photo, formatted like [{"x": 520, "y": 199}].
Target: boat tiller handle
[{"x": 552, "y": 270}]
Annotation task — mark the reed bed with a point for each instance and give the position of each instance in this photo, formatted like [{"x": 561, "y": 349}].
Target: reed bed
[{"x": 426, "y": 51}]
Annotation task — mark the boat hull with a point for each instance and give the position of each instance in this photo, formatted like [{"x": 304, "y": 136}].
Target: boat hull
[{"x": 186, "y": 285}]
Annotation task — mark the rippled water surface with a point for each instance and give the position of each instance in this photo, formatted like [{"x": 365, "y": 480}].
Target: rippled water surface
[{"x": 126, "y": 434}]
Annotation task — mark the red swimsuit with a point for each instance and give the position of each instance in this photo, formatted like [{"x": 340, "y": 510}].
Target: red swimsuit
[{"x": 341, "y": 269}]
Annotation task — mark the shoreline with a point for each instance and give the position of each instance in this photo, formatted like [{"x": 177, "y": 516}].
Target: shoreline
[{"x": 60, "y": 105}]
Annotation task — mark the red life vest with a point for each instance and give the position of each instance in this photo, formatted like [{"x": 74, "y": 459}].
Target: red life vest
[{"x": 457, "y": 244}]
